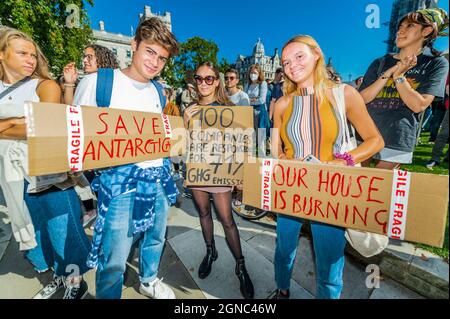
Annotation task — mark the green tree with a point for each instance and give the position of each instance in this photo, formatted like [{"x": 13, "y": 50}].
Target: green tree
[
  {"x": 192, "y": 52},
  {"x": 60, "y": 27},
  {"x": 224, "y": 65},
  {"x": 168, "y": 73}
]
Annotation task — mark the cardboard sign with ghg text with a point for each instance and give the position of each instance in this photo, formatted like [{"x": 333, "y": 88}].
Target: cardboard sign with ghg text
[{"x": 219, "y": 143}]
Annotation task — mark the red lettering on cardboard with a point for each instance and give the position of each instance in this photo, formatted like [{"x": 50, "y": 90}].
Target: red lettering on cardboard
[
  {"x": 121, "y": 125},
  {"x": 373, "y": 189},
  {"x": 106, "y": 127},
  {"x": 140, "y": 128},
  {"x": 154, "y": 126}
]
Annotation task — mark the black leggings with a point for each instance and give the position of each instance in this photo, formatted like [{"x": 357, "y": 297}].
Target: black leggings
[{"x": 222, "y": 202}]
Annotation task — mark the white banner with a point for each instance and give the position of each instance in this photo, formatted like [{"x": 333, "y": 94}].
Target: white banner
[
  {"x": 399, "y": 204},
  {"x": 266, "y": 184},
  {"x": 75, "y": 140}
]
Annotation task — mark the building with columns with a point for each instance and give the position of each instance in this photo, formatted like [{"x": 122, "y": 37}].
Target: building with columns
[
  {"x": 269, "y": 64},
  {"x": 120, "y": 44}
]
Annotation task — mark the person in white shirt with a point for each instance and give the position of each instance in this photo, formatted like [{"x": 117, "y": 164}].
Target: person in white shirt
[
  {"x": 147, "y": 188},
  {"x": 237, "y": 96},
  {"x": 45, "y": 222}
]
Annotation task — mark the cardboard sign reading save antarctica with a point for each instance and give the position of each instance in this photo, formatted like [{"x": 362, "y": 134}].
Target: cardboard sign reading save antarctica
[
  {"x": 66, "y": 137},
  {"x": 220, "y": 139},
  {"x": 399, "y": 204}
]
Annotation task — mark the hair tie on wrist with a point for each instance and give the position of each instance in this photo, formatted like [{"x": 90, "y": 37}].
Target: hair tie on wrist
[{"x": 346, "y": 157}]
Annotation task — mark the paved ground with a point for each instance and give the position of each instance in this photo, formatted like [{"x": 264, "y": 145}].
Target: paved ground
[{"x": 183, "y": 254}]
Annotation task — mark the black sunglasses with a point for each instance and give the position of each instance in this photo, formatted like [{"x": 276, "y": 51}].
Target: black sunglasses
[
  {"x": 229, "y": 78},
  {"x": 208, "y": 79}
]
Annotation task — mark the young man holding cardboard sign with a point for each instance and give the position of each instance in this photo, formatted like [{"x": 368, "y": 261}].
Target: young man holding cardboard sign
[{"x": 133, "y": 199}]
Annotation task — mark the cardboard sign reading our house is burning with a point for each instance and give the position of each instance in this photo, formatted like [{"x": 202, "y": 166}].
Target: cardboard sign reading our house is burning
[
  {"x": 64, "y": 137},
  {"x": 219, "y": 142},
  {"x": 403, "y": 205}
]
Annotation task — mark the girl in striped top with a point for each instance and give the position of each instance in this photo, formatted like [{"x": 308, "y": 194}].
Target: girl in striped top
[{"x": 308, "y": 119}]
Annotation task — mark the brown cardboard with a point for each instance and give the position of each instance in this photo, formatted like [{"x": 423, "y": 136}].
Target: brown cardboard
[
  {"x": 106, "y": 130},
  {"x": 219, "y": 141},
  {"x": 370, "y": 211}
]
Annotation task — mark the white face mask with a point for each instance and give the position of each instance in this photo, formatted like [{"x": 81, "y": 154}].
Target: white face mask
[{"x": 254, "y": 76}]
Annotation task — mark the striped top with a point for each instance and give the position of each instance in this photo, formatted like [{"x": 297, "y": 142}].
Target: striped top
[{"x": 309, "y": 128}]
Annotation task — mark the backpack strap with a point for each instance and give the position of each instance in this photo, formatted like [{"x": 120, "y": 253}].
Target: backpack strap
[
  {"x": 105, "y": 79},
  {"x": 15, "y": 86},
  {"x": 160, "y": 89},
  {"x": 339, "y": 97}
]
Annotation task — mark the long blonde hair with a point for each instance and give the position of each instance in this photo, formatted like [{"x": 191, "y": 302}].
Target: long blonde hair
[
  {"x": 322, "y": 81},
  {"x": 7, "y": 35}
]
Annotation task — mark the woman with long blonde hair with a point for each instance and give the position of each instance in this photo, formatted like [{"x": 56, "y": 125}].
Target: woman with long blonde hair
[
  {"x": 311, "y": 118},
  {"x": 211, "y": 91},
  {"x": 45, "y": 218}
]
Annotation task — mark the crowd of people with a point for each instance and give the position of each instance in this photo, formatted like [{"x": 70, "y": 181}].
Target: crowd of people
[{"x": 306, "y": 103}]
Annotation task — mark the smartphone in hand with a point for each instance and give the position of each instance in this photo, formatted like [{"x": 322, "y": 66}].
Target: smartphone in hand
[{"x": 311, "y": 159}]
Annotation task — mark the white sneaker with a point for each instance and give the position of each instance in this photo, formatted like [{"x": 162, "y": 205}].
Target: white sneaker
[{"x": 157, "y": 290}]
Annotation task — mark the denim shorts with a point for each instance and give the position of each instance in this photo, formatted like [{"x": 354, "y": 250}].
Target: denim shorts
[{"x": 394, "y": 156}]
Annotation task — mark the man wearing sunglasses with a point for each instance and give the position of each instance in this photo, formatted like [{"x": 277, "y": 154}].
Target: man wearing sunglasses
[{"x": 238, "y": 97}]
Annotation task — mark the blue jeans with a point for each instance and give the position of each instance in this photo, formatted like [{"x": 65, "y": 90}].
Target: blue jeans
[
  {"x": 329, "y": 244},
  {"x": 61, "y": 240},
  {"x": 117, "y": 241}
]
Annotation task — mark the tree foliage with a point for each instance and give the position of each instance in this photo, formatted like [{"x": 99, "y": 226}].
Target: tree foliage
[
  {"x": 60, "y": 27},
  {"x": 193, "y": 52}
]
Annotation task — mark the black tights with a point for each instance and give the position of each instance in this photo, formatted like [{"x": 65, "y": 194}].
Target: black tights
[{"x": 222, "y": 202}]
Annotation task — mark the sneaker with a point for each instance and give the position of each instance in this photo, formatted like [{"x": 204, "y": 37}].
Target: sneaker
[
  {"x": 76, "y": 291},
  {"x": 432, "y": 164},
  {"x": 54, "y": 286},
  {"x": 157, "y": 290},
  {"x": 88, "y": 217},
  {"x": 277, "y": 294}
]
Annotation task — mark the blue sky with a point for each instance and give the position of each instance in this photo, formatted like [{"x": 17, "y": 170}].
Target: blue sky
[{"x": 235, "y": 25}]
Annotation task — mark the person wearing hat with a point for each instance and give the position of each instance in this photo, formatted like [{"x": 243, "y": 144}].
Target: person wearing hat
[
  {"x": 187, "y": 97},
  {"x": 397, "y": 87}
]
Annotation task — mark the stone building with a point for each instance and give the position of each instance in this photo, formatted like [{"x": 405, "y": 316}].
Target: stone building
[
  {"x": 269, "y": 64},
  {"x": 121, "y": 44}
]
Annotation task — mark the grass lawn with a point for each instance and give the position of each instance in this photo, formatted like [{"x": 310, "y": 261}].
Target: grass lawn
[{"x": 422, "y": 155}]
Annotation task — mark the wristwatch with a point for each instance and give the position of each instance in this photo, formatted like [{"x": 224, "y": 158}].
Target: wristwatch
[{"x": 400, "y": 79}]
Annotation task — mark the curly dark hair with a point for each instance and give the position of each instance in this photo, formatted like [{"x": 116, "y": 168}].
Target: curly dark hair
[{"x": 105, "y": 57}]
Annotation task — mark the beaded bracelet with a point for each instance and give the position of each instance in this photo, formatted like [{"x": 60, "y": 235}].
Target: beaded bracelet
[{"x": 346, "y": 157}]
